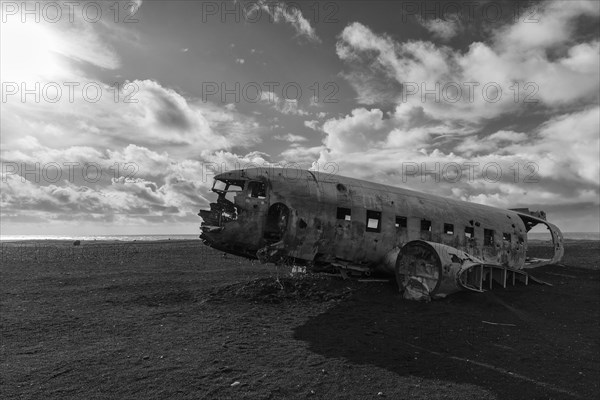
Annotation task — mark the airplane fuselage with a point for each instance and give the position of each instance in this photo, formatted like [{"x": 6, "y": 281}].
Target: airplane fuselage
[{"x": 313, "y": 217}]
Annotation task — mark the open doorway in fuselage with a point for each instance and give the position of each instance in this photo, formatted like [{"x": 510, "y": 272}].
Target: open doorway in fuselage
[{"x": 277, "y": 222}]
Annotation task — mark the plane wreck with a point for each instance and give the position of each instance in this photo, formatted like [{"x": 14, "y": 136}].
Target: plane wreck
[{"x": 434, "y": 246}]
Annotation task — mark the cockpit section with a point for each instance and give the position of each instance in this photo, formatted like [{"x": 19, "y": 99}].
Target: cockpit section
[
  {"x": 240, "y": 208},
  {"x": 224, "y": 209},
  {"x": 229, "y": 188}
]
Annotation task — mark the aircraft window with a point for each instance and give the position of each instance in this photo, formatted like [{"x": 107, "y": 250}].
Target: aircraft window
[
  {"x": 449, "y": 229},
  {"x": 400, "y": 222},
  {"x": 488, "y": 237},
  {"x": 425, "y": 225},
  {"x": 230, "y": 196},
  {"x": 257, "y": 189},
  {"x": 344, "y": 213},
  {"x": 469, "y": 232},
  {"x": 506, "y": 236},
  {"x": 373, "y": 221},
  {"x": 227, "y": 186},
  {"x": 235, "y": 186},
  {"x": 219, "y": 185}
]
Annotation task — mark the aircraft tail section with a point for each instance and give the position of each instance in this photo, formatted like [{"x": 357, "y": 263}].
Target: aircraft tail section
[{"x": 533, "y": 218}]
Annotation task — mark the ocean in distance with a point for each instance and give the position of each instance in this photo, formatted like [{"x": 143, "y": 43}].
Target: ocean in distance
[
  {"x": 130, "y": 238},
  {"x": 110, "y": 238}
]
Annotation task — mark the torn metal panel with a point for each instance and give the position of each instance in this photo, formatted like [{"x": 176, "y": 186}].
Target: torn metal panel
[{"x": 428, "y": 270}]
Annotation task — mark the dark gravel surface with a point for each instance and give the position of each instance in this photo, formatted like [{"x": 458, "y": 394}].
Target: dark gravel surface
[{"x": 175, "y": 319}]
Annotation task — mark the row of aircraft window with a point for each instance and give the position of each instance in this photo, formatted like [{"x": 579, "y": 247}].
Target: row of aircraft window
[{"x": 373, "y": 224}]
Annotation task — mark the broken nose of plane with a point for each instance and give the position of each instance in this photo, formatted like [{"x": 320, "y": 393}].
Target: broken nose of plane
[
  {"x": 211, "y": 222},
  {"x": 220, "y": 213}
]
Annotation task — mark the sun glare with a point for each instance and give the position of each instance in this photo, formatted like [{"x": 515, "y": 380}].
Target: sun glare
[{"x": 29, "y": 52}]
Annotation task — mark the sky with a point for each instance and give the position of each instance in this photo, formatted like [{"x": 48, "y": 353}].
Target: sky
[{"x": 116, "y": 115}]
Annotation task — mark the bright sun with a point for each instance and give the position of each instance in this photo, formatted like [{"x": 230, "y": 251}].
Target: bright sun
[{"x": 29, "y": 52}]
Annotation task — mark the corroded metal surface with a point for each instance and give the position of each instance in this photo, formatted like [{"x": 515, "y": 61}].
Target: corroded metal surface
[
  {"x": 426, "y": 270},
  {"x": 279, "y": 214}
]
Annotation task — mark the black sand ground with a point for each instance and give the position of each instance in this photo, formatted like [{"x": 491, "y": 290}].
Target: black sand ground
[{"x": 175, "y": 319}]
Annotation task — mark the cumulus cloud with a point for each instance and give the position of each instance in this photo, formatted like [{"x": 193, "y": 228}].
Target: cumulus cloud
[
  {"x": 578, "y": 132},
  {"x": 487, "y": 80},
  {"x": 542, "y": 69},
  {"x": 355, "y": 132},
  {"x": 505, "y": 168},
  {"x": 136, "y": 184},
  {"x": 372, "y": 129},
  {"x": 135, "y": 197},
  {"x": 147, "y": 113},
  {"x": 552, "y": 24}
]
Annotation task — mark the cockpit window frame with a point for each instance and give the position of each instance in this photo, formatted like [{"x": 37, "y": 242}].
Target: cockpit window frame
[{"x": 241, "y": 184}]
